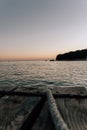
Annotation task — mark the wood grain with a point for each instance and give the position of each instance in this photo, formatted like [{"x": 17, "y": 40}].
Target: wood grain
[
  {"x": 15, "y": 108},
  {"x": 74, "y": 112}
]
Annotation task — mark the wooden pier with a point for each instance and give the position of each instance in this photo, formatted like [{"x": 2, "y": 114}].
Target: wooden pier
[{"x": 60, "y": 108}]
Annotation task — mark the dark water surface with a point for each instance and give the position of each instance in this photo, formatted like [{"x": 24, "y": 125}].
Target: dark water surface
[{"x": 43, "y": 73}]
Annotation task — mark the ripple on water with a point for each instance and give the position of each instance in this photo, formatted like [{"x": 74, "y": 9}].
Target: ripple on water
[{"x": 43, "y": 74}]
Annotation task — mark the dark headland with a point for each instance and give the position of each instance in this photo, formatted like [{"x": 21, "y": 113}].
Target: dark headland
[{"x": 73, "y": 55}]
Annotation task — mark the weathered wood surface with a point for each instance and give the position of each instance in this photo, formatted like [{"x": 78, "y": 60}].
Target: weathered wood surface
[
  {"x": 6, "y": 89},
  {"x": 59, "y": 92},
  {"x": 55, "y": 90},
  {"x": 74, "y": 112},
  {"x": 17, "y": 111},
  {"x": 29, "y": 122},
  {"x": 44, "y": 121}
]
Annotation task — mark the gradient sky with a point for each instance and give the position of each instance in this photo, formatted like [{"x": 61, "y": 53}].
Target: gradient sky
[{"x": 37, "y": 29}]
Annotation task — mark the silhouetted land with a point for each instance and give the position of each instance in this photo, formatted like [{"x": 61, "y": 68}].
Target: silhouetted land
[{"x": 73, "y": 55}]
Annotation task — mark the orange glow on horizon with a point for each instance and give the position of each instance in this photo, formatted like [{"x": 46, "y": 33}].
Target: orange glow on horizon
[{"x": 28, "y": 57}]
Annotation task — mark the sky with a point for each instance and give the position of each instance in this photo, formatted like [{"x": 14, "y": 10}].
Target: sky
[{"x": 41, "y": 29}]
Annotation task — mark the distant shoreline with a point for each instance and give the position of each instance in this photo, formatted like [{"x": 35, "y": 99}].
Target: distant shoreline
[{"x": 78, "y": 55}]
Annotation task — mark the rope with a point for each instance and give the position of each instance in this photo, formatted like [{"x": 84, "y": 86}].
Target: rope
[{"x": 55, "y": 114}]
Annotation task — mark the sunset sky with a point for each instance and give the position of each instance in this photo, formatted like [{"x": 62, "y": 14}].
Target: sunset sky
[{"x": 41, "y": 29}]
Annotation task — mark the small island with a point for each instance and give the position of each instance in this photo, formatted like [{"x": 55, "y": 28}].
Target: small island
[{"x": 73, "y": 56}]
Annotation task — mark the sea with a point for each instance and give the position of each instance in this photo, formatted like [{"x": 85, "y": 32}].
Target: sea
[{"x": 45, "y": 74}]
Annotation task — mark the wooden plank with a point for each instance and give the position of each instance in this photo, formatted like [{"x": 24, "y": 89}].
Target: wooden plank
[
  {"x": 40, "y": 91},
  {"x": 15, "y": 110},
  {"x": 6, "y": 89},
  {"x": 60, "y": 92},
  {"x": 29, "y": 122},
  {"x": 55, "y": 90},
  {"x": 74, "y": 111},
  {"x": 31, "y": 90},
  {"x": 44, "y": 121},
  {"x": 69, "y": 90},
  {"x": 26, "y": 94},
  {"x": 56, "y": 95}
]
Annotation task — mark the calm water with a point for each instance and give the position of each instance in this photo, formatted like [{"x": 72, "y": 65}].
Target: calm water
[{"x": 43, "y": 73}]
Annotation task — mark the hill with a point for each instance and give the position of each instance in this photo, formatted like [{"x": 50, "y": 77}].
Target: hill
[{"x": 73, "y": 55}]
